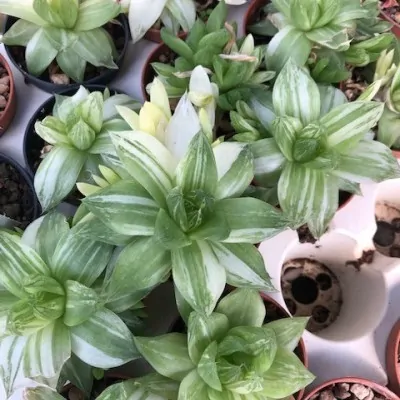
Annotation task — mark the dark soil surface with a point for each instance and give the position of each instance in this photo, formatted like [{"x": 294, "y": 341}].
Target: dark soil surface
[
  {"x": 54, "y": 73},
  {"x": 367, "y": 257},
  {"x": 392, "y": 8},
  {"x": 349, "y": 391},
  {"x": 355, "y": 85},
  {"x": 16, "y": 196},
  {"x": 99, "y": 386},
  {"x": 4, "y": 89}
]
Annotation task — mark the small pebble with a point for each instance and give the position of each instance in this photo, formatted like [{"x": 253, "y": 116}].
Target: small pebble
[{"x": 359, "y": 391}]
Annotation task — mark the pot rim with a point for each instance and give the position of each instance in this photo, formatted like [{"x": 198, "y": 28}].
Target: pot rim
[
  {"x": 12, "y": 94},
  {"x": 392, "y": 351},
  {"x": 388, "y": 18}
]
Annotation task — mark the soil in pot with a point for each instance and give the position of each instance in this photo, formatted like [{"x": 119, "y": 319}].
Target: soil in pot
[
  {"x": 392, "y": 9},
  {"x": 256, "y": 14},
  {"x": 4, "y": 89},
  {"x": 357, "y": 83},
  {"x": 16, "y": 196},
  {"x": 350, "y": 391},
  {"x": 310, "y": 288},
  {"x": 54, "y": 74},
  {"x": 387, "y": 235}
]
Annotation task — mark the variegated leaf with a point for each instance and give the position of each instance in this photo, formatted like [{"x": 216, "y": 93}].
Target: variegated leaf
[
  {"x": 234, "y": 167},
  {"x": 389, "y": 127},
  {"x": 207, "y": 367},
  {"x": 347, "y": 124},
  {"x": 110, "y": 108},
  {"x": 79, "y": 374},
  {"x": 250, "y": 220},
  {"x": 244, "y": 265},
  {"x": 193, "y": 386},
  {"x": 18, "y": 262},
  {"x": 296, "y": 95},
  {"x": 47, "y": 350},
  {"x": 330, "y": 98},
  {"x": 184, "y": 11},
  {"x": 41, "y": 393},
  {"x": 167, "y": 354},
  {"x": 125, "y": 207},
  {"x": 332, "y": 37},
  {"x": 198, "y": 275},
  {"x": 243, "y": 307},
  {"x": 148, "y": 161},
  {"x": 103, "y": 341},
  {"x": 7, "y": 300},
  {"x": 57, "y": 175}
]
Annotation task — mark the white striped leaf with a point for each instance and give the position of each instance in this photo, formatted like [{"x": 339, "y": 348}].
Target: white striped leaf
[
  {"x": 277, "y": 54},
  {"x": 214, "y": 228},
  {"x": 91, "y": 227},
  {"x": 234, "y": 167},
  {"x": 53, "y": 226},
  {"x": 18, "y": 262},
  {"x": 57, "y": 175},
  {"x": 79, "y": 259},
  {"x": 41, "y": 393},
  {"x": 64, "y": 105},
  {"x": 148, "y": 161},
  {"x": 129, "y": 274},
  {"x": 29, "y": 236},
  {"x": 286, "y": 376},
  {"x": 288, "y": 331},
  {"x": 183, "y": 306},
  {"x": 122, "y": 302},
  {"x": 295, "y": 94},
  {"x": 81, "y": 303},
  {"x": 284, "y": 130},
  {"x": 47, "y": 350},
  {"x": 244, "y": 265},
  {"x": 389, "y": 127},
  {"x": 7, "y": 300},
  {"x": 103, "y": 341},
  {"x": 268, "y": 161},
  {"x": 308, "y": 196},
  {"x": 184, "y": 11},
  {"x": 193, "y": 386},
  {"x": 103, "y": 143},
  {"x": 52, "y": 130},
  {"x": 11, "y": 357},
  {"x": 125, "y": 207},
  {"x": 250, "y": 220},
  {"x": 207, "y": 367},
  {"x": 96, "y": 13},
  {"x": 198, "y": 170},
  {"x": 110, "y": 107},
  {"x": 198, "y": 276},
  {"x": 71, "y": 64},
  {"x": 243, "y": 307},
  {"x": 330, "y": 98},
  {"x": 349, "y": 11},
  {"x": 369, "y": 161},
  {"x": 202, "y": 331},
  {"x": 20, "y": 33},
  {"x": 167, "y": 354},
  {"x": 332, "y": 37},
  {"x": 347, "y": 124}
]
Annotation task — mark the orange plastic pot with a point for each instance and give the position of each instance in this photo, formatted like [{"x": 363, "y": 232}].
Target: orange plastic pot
[{"x": 392, "y": 356}]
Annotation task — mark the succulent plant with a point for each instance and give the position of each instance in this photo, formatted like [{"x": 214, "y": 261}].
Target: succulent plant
[
  {"x": 67, "y": 31},
  {"x": 320, "y": 143},
  {"x": 182, "y": 202},
  {"x": 78, "y": 131},
  {"x": 56, "y": 303},
  {"x": 233, "y": 65},
  {"x": 229, "y": 354}
]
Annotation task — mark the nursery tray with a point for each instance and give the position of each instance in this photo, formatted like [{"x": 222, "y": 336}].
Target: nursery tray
[{"x": 354, "y": 345}]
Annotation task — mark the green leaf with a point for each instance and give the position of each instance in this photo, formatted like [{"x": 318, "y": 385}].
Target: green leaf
[
  {"x": 278, "y": 53},
  {"x": 18, "y": 262},
  {"x": 389, "y": 128},
  {"x": 217, "y": 17},
  {"x": 125, "y": 207},
  {"x": 81, "y": 303},
  {"x": 148, "y": 161},
  {"x": 7, "y": 300},
  {"x": 284, "y": 130},
  {"x": 65, "y": 105},
  {"x": 368, "y": 161},
  {"x": 50, "y": 12},
  {"x": 244, "y": 265},
  {"x": 47, "y": 350},
  {"x": 129, "y": 275},
  {"x": 41, "y": 393},
  {"x": 268, "y": 161},
  {"x": 286, "y": 376},
  {"x": 192, "y": 387},
  {"x": 243, "y": 307},
  {"x": 96, "y": 13},
  {"x": 207, "y": 367},
  {"x": 198, "y": 276},
  {"x": 167, "y": 354},
  {"x": 234, "y": 168},
  {"x": 198, "y": 170},
  {"x": 288, "y": 331},
  {"x": 215, "y": 228},
  {"x": 183, "y": 306},
  {"x": 308, "y": 196},
  {"x": 20, "y": 33},
  {"x": 168, "y": 233},
  {"x": 202, "y": 331},
  {"x": 81, "y": 135},
  {"x": 330, "y": 98},
  {"x": 52, "y": 130},
  {"x": 304, "y": 14},
  {"x": 103, "y": 341},
  {"x": 347, "y": 124},
  {"x": 57, "y": 175},
  {"x": 176, "y": 44},
  {"x": 250, "y": 220},
  {"x": 79, "y": 259},
  {"x": 332, "y": 36},
  {"x": 296, "y": 95},
  {"x": 91, "y": 110}
]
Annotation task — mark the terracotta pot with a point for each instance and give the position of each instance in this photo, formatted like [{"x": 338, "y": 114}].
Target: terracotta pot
[
  {"x": 381, "y": 390},
  {"x": 396, "y": 153},
  {"x": 154, "y": 35},
  {"x": 392, "y": 355},
  {"x": 251, "y": 14},
  {"x": 396, "y": 26},
  {"x": 11, "y": 108}
]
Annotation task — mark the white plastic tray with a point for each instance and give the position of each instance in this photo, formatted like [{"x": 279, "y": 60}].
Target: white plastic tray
[{"x": 355, "y": 344}]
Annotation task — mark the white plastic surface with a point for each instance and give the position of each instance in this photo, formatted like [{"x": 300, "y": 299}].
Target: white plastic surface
[{"x": 355, "y": 344}]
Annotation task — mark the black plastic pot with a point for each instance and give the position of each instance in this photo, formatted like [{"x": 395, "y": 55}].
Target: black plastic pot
[
  {"x": 32, "y": 140},
  {"x": 43, "y": 81},
  {"x": 27, "y": 177}
]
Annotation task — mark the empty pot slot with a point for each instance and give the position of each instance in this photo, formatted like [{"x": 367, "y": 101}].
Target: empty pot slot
[{"x": 387, "y": 235}]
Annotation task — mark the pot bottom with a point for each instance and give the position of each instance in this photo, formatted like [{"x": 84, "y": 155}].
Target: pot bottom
[{"x": 387, "y": 235}]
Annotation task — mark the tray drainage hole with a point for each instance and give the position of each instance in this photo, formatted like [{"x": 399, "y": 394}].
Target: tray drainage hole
[
  {"x": 320, "y": 314},
  {"x": 324, "y": 281},
  {"x": 396, "y": 225},
  {"x": 304, "y": 290},
  {"x": 385, "y": 234}
]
